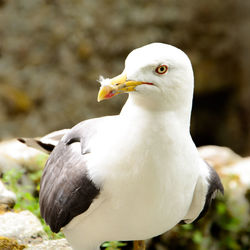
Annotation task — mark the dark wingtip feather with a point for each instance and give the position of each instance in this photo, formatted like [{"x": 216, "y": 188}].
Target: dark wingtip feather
[
  {"x": 46, "y": 146},
  {"x": 22, "y": 140}
]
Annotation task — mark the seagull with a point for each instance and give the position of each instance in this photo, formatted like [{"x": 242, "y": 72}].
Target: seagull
[{"x": 135, "y": 175}]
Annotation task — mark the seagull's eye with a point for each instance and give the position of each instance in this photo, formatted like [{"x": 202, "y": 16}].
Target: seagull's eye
[{"x": 162, "y": 69}]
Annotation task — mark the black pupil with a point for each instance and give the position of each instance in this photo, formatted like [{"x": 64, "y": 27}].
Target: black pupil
[{"x": 162, "y": 69}]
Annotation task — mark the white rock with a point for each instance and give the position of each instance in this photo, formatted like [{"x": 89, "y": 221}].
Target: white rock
[
  {"x": 22, "y": 226},
  {"x": 61, "y": 244},
  {"x": 240, "y": 169},
  {"x": 6, "y": 196},
  {"x": 237, "y": 182},
  {"x": 18, "y": 155},
  {"x": 218, "y": 156},
  {"x": 7, "y": 163}
]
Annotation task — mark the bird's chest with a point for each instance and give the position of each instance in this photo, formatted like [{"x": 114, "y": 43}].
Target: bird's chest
[
  {"x": 153, "y": 184},
  {"x": 156, "y": 195}
]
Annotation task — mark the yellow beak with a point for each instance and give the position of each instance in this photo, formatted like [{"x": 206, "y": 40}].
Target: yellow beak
[{"x": 117, "y": 85}]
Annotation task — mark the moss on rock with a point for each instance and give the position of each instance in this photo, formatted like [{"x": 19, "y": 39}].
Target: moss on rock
[{"x": 10, "y": 244}]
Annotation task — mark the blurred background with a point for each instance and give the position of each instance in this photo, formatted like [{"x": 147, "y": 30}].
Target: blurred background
[{"x": 52, "y": 53}]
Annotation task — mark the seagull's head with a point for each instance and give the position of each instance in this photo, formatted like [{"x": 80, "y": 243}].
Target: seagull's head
[{"x": 157, "y": 74}]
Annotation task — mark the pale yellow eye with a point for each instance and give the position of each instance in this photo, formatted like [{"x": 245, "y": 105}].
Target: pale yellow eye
[{"x": 162, "y": 69}]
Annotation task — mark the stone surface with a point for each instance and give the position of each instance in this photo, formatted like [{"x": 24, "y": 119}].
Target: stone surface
[
  {"x": 22, "y": 226},
  {"x": 61, "y": 244},
  {"x": 240, "y": 169},
  {"x": 6, "y": 196},
  {"x": 14, "y": 154},
  {"x": 219, "y": 156},
  {"x": 237, "y": 182}
]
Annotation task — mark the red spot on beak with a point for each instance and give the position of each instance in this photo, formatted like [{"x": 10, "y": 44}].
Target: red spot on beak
[{"x": 110, "y": 94}]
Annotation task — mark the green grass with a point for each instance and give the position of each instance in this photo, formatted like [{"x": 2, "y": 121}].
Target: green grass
[{"x": 113, "y": 245}]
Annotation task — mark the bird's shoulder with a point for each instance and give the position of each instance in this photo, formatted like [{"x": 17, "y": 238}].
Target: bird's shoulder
[{"x": 66, "y": 189}]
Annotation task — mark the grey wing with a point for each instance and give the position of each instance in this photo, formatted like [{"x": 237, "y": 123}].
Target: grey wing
[
  {"x": 204, "y": 193},
  {"x": 66, "y": 189}
]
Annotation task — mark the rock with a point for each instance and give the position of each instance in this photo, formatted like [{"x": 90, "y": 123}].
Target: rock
[
  {"x": 23, "y": 226},
  {"x": 7, "y": 163},
  {"x": 61, "y": 244},
  {"x": 240, "y": 169},
  {"x": 236, "y": 179},
  {"x": 6, "y": 197},
  {"x": 14, "y": 154},
  {"x": 218, "y": 156}
]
